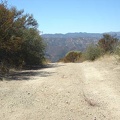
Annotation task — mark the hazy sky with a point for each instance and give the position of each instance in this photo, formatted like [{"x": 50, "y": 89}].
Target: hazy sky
[{"x": 63, "y": 16}]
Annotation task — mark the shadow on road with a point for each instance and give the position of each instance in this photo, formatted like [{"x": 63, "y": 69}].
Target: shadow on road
[
  {"x": 31, "y": 73},
  {"x": 28, "y": 75}
]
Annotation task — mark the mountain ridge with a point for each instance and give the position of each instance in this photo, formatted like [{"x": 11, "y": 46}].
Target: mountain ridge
[
  {"x": 60, "y": 44},
  {"x": 78, "y": 34}
]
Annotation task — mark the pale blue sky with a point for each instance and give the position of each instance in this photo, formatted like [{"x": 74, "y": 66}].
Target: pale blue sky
[{"x": 63, "y": 16}]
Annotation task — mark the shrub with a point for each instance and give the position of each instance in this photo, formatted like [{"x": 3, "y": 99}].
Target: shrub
[
  {"x": 117, "y": 50},
  {"x": 92, "y": 52},
  {"x": 108, "y": 43},
  {"x": 20, "y": 41},
  {"x": 72, "y": 56}
]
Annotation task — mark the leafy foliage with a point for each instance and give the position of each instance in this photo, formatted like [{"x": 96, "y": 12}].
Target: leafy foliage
[
  {"x": 107, "y": 43},
  {"x": 33, "y": 48},
  {"x": 93, "y": 52},
  {"x": 20, "y": 42},
  {"x": 117, "y": 50},
  {"x": 72, "y": 56}
]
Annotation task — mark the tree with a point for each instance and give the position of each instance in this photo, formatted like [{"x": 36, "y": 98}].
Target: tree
[
  {"x": 33, "y": 47},
  {"x": 107, "y": 43},
  {"x": 20, "y": 40}
]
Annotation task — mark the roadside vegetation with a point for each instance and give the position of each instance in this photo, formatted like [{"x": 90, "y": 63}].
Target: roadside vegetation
[
  {"x": 92, "y": 52},
  {"x": 20, "y": 41},
  {"x": 72, "y": 56},
  {"x": 117, "y": 50},
  {"x": 107, "y": 45}
]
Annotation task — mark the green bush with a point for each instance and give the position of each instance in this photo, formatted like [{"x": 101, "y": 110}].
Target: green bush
[
  {"x": 20, "y": 41},
  {"x": 72, "y": 56},
  {"x": 108, "y": 43},
  {"x": 117, "y": 50},
  {"x": 92, "y": 52}
]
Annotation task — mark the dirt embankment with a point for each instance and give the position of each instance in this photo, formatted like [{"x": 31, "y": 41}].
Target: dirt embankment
[{"x": 74, "y": 91}]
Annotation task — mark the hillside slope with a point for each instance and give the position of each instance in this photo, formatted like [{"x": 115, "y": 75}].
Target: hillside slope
[
  {"x": 60, "y": 44},
  {"x": 73, "y": 91}
]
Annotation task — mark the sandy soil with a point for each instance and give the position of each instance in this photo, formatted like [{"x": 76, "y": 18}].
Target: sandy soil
[{"x": 74, "y": 91}]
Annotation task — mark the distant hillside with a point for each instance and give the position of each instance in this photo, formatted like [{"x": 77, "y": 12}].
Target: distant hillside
[
  {"x": 59, "y": 44},
  {"x": 72, "y": 35}
]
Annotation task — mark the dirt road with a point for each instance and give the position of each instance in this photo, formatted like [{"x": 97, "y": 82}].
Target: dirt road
[{"x": 73, "y": 91}]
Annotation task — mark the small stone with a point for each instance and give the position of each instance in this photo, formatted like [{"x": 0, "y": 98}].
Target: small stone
[
  {"x": 67, "y": 102},
  {"x": 95, "y": 118}
]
